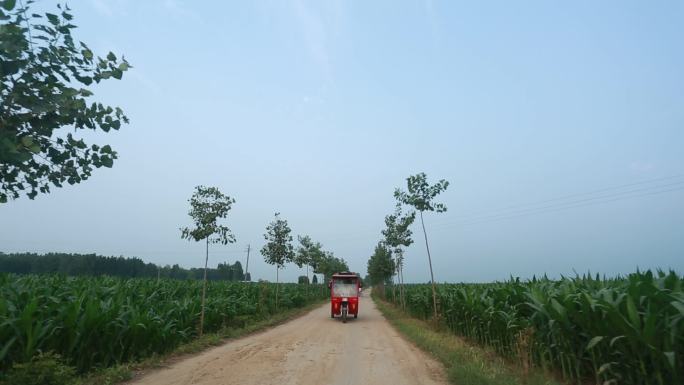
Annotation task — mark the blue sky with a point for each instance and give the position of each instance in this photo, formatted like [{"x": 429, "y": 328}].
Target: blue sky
[{"x": 319, "y": 110}]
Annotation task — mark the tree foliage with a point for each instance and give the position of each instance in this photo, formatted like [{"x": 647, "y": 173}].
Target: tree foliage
[
  {"x": 397, "y": 234},
  {"x": 207, "y": 206},
  {"x": 303, "y": 279},
  {"x": 97, "y": 265},
  {"x": 381, "y": 265},
  {"x": 278, "y": 249},
  {"x": 329, "y": 264},
  {"x": 397, "y": 230},
  {"x": 421, "y": 194},
  {"x": 309, "y": 253},
  {"x": 44, "y": 73},
  {"x": 230, "y": 272}
]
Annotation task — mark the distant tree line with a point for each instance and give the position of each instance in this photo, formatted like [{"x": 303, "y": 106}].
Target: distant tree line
[{"x": 92, "y": 264}]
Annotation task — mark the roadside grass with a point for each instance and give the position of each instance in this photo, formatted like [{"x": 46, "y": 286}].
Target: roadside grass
[
  {"x": 465, "y": 363},
  {"x": 124, "y": 372}
]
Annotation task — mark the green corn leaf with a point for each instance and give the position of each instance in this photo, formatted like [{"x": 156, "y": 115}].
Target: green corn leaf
[
  {"x": 679, "y": 306},
  {"x": 633, "y": 315},
  {"x": 670, "y": 357},
  {"x": 593, "y": 342}
]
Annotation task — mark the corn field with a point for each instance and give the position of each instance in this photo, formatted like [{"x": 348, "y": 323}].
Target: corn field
[
  {"x": 95, "y": 322},
  {"x": 607, "y": 331}
]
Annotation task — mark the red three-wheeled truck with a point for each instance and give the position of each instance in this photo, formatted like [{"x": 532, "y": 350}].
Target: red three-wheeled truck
[{"x": 344, "y": 295}]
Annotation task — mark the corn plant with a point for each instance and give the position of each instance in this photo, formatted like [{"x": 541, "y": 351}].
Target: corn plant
[
  {"x": 618, "y": 331},
  {"x": 101, "y": 321}
]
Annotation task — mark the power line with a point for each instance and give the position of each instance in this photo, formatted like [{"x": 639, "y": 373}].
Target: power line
[
  {"x": 560, "y": 208},
  {"x": 536, "y": 208},
  {"x": 570, "y": 203},
  {"x": 565, "y": 197}
]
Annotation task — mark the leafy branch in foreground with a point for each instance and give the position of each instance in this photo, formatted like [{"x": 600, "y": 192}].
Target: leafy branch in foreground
[{"x": 44, "y": 73}]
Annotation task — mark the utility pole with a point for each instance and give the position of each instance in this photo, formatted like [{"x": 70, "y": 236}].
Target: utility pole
[{"x": 247, "y": 265}]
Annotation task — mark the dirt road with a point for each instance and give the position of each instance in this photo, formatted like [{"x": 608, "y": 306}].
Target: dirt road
[{"x": 312, "y": 349}]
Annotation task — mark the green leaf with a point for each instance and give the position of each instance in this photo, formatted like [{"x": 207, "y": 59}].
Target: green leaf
[
  {"x": 8, "y": 345},
  {"x": 48, "y": 72},
  {"x": 679, "y": 306},
  {"x": 593, "y": 342},
  {"x": 52, "y": 18},
  {"x": 9, "y": 4},
  {"x": 27, "y": 141},
  {"x": 633, "y": 314},
  {"x": 9, "y": 67},
  {"x": 670, "y": 356},
  {"x": 604, "y": 367},
  {"x": 107, "y": 161},
  {"x": 615, "y": 339}
]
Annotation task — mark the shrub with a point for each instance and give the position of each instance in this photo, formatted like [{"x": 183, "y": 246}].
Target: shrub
[{"x": 43, "y": 369}]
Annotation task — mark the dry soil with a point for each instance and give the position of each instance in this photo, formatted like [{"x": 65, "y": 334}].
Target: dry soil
[{"x": 312, "y": 349}]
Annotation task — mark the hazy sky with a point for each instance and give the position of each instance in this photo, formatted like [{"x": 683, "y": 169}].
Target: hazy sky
[{"x": 320, "y": 109}]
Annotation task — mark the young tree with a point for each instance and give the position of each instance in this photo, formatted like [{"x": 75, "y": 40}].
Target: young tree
[
  {"x": 207, "y": 206},
  {"x": 278, "y": 249},
  {"x": 302, "y": 256},
  {"x": 329, "y": 265},
  {"x": 397, "y": 234},
  {"x": 381, "y": 266},
  {"x": 420, "y": 196},
  {"x": 309, "y": 254},
  {"x": 44, "y": 79}
]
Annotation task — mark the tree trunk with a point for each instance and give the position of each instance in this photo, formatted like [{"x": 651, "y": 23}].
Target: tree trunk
[
  {"x": 400, "y": 277},
  {"x": 307, "y": 282},
  {"x": 277, "y": 285},
  {"x": 204, "y": 290},
  {"x": 402, "y": 298},
  {"x": 394, "y": 287},
  {"x": 432, "y": 276}
]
